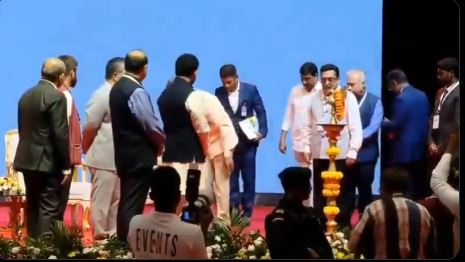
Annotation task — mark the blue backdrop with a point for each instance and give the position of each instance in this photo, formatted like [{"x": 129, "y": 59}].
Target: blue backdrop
[{"x": 266, "y": 40}]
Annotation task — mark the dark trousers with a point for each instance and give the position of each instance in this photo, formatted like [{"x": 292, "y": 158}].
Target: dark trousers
[
  {"x": 345, "y": 199},
  {"x": 419, "y": 180},
  {"x": 244, "y": 164},
  {"x": 64, "y": 196},
  {"x": 43, "y": 199},
  {"x": 361, "y": 177},
  {"x": 134, "y": 190}
]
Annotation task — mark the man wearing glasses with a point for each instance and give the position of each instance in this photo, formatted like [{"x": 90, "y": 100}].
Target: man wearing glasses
[{"x": 349, "y": 141}]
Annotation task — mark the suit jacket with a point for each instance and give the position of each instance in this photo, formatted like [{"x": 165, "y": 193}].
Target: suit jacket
[
  {"x": 183, "y": 144},
  {"x": 410, "y": 123},
  {"x": 43, "y": 130},
  {"x": 449, "y": 115},
  {"x": 250, "y": 97}
]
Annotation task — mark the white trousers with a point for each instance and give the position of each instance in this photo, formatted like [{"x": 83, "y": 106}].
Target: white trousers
[{"x": 105, "y": 197}]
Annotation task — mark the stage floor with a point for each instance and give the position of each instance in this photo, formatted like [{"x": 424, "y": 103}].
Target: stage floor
[{"x": 257, "y": 223}]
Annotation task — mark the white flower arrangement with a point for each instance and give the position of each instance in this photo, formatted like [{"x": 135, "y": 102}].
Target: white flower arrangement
[
  {"x": 62, "y": 243},
  {"x": 254, "y": 247},
  {"x": 229, "y": 241},
  {"x": 339, "y": 245}
]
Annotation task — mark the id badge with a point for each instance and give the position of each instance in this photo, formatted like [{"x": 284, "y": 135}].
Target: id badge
[
  {"x": 243, "y": 110},
  {"x": 435, "y": 121}
]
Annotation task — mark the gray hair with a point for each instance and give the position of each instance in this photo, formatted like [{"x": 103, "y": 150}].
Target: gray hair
[{"x": 359, "y": 73}]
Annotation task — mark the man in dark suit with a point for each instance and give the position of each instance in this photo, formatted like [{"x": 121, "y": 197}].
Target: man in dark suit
[
  {"x": 409, "y": 131},
  {"x": 446, "y": 110},
  {"x": 184, "y": 122},
  {"x": 43, "y": 149},
  {"x": 241, "y": 100},
  {"x": 137, "y": 137}
]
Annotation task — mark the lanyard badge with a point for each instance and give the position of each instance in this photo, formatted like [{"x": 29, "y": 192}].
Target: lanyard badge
[{"x": 244, "y": 110}]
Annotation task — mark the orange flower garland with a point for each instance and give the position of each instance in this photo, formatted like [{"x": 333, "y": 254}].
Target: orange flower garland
[
  {"x": 331, "y": 185},
  {"x": 331, "y": 211},
  {"x": 339, "y": 104}
]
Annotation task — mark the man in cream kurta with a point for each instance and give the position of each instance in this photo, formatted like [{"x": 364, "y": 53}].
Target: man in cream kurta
[
  {"x": 222, "y": 141},
  {"x": 295, "y": 117},
  {"x": 349, "y": 141}
]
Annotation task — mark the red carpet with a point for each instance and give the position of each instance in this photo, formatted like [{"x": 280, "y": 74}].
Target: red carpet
[{"x": 257, "y": 223}]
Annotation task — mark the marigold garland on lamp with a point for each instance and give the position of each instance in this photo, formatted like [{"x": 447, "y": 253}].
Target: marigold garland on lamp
[{"x": 332, "y": 177}]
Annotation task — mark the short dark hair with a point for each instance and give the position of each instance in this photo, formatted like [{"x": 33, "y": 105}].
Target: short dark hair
[
  {"x": 113, "y": 65},
  {"x": 135, "y": 61},
  {"x": 70, "y": 63},
  {"x": 397, "y": 75},
  {"x": 395, "y": 179},
  {"x": 186, "y": 65},
  {"x": 309, "y": 68},
  {"x": 295, "y": 177},
  {"x": 165, "y": 185},
  {"x": 330, "y": 67},
  {"x": 450, "y": 64},
  {"x": 228, "y": 70}
]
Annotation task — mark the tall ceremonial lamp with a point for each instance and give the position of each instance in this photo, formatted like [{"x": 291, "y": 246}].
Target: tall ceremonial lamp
[{"x": 332, "y": 177}]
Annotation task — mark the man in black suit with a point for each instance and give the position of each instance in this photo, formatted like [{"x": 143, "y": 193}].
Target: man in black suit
[
  {"x": 43, "y": 149},
  {"x": 184, "y": 122},
  {"x": 446, "y": 111},
  {"x": 137, "y": 137}
]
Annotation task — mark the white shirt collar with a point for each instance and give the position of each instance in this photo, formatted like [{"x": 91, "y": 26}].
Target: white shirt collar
[
  {"x": 363, "y": 99},
  {"x": 452, "y": 87},
  {"x": 53, "y": 84},
  {"x": 132, "y": 78},
  {"x": 402, "y": 90}
]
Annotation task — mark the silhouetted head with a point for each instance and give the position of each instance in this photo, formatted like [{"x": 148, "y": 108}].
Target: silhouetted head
[
  {"x": 165, "y": 191},
  {"x": 296, "y": 182}
]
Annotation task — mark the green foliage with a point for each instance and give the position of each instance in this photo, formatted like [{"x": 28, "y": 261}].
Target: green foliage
[{"x": 62, "y": 242}]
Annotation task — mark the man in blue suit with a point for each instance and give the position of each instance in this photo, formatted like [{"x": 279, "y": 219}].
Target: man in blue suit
[
  {"x": 408, "y": 131},
  {"x": 242, "y": 100}
]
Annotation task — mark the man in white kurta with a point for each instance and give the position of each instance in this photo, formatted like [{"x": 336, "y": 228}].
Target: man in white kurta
[
  {"x": 295, "y": 117},
  {"x": 219, "y": 163},
  {"x": 349, "y": 141}
]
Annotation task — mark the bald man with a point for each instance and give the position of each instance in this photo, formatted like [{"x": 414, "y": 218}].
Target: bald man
[
  {"x": 371, "y": 113},
  {"x": 138, "y": 139},
  {"x": 43, "y": 149}
]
